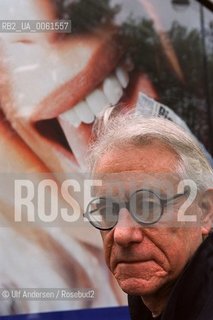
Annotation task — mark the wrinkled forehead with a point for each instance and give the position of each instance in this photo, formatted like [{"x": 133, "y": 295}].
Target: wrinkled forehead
[{"x": 125, "y": 183}]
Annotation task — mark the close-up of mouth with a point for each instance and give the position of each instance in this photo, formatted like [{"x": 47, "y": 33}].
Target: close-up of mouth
[
  {"x": 109, "y": 93},
  {"x": 58, "y": 119},
  {"x": 80, "y": 117},
  {"x": 70, "y": 131}
]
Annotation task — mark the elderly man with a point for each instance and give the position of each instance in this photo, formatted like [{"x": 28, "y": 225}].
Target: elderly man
[{"x": 156, "y": 236}]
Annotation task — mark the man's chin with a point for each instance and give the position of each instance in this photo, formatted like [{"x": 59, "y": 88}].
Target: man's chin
[{"x": 141, "y": 287}]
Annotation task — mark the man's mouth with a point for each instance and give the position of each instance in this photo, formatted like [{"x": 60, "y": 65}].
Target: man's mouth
[{"x": 144, "y": 269}]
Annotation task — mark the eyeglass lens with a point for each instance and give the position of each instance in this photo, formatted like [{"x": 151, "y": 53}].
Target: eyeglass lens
[{"x": 144, "y": 205}]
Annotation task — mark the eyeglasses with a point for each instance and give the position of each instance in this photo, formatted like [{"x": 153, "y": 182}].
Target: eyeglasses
[{"x": 145, "y": 206}]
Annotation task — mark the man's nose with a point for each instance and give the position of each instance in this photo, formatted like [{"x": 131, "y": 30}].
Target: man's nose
[{"x": 127, "y": 231}]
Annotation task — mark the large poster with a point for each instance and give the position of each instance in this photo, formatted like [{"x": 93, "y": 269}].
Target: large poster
[{"x": 62, "y": 62}]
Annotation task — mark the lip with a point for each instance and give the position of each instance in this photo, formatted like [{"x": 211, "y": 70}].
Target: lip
[
  {"x": 131, "y": 261},
  {"x": 105, "y": 47},
  {"x": 126, "y": 265},
  {"x": 139, "y": 257}
]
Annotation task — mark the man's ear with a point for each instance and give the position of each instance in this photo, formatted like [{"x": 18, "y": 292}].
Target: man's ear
[{"x": 206, "y": 205}]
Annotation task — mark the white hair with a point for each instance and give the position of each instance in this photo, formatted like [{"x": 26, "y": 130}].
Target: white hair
[{"x": 130, "y": 128}]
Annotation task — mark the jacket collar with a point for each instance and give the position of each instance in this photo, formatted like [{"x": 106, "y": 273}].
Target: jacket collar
[{"x": 194, "y": 289}]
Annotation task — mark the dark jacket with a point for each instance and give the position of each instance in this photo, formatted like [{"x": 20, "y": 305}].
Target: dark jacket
[{"x": 192, "y": 295}]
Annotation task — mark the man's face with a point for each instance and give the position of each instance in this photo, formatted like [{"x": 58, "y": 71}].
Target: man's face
[{"x": 146, "y": 259}]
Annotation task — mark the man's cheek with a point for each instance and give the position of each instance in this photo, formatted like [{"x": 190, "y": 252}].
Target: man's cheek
[{"x": 108, "y": 248}]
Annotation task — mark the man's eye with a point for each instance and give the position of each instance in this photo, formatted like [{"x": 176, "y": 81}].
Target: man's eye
[
  {"x": 102, "y": 205},
  {"x": 98, "y": 206}
]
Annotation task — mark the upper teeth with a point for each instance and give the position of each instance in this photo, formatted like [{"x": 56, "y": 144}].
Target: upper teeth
[
  {"x": 109, "y": 94},
  {"x": 97, "y": 101},
  {"x": 112, "y": 89},
  {"x": 122, "y": 76},
  {"x": 83, "y": 112}
]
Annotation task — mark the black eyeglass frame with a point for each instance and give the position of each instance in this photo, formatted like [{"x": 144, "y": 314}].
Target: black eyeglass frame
[{"x": 126, "y": 204}]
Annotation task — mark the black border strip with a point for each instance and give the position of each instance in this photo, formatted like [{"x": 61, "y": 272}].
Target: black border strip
[{"x": 207, "y": 3}]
